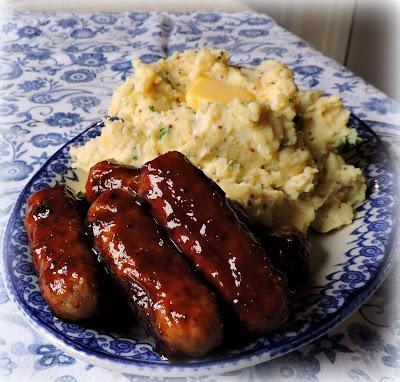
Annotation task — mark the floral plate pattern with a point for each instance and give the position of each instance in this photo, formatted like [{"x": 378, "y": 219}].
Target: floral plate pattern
[{"x": 358, "y": 258}]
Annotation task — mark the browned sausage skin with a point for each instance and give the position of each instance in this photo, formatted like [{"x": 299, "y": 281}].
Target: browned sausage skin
[
  {"x": 289, "y": 250},
  {"x": 109, "y": 175},
  {"x": 69, "y": 273},
  {"x": 178, "y": 310},
  {"x": 194, "y": 211}
]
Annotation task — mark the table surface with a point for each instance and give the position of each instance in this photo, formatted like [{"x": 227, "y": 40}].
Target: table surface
[{"x": 57, "y": 73}]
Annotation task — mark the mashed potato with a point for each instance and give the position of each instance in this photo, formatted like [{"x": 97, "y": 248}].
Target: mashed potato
[{"x": 280, "y": 171}]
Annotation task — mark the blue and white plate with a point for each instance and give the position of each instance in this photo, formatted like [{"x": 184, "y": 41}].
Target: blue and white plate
[{"x": 347, "y": 266}]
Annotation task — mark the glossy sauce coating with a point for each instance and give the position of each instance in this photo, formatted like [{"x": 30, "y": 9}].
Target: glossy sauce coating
[
  {"x": 199, "y": 220},
  {"x": 289, "y": 251},
  {"x": 69, "y": 274},
  {"x": 178, "y": 310},
  {"x": 109, "y": 175}
]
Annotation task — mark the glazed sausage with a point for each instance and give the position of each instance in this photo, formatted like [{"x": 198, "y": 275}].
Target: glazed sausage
[
  {"x": 289, "y": 250},
  {"x": 109, "y": 175},
  {"x": 69, "y": 274},
  {"x": 177, "y": 309},
  {"x": 195, "y": 212}
]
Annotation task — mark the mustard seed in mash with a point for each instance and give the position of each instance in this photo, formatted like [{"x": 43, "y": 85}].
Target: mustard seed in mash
[{"x": 238, "y": 126}]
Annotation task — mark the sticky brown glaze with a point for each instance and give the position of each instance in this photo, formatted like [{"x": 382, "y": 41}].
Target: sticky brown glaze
[
  {"x": 178, "y": 310},
  {"x": 202, "y": 225},
  {"x": 109, "y": 175},
  {"x": 69, "y": 274},
  {"x": 289, "y": 250},
  {"x": 286, "y": 247}
]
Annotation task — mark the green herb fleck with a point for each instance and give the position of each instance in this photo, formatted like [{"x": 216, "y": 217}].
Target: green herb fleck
[
  {"x": 291, "y": 100},
  {"x": 352, "y": 138},
  {"x": 232, "y": 163},
  {"x": 152, "y": 109},
  {"x": 358, "y": 140},
  {"x": 163, "y": 131}
]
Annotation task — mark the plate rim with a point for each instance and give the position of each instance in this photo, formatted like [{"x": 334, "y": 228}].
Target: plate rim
[{"x": 230, "y": 363}]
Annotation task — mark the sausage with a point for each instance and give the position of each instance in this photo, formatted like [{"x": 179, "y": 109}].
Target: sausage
[
  {"x": 196, "y": 214},
  {"x": 289, "y": 250},
  {"x": 109, "y": 175},
  {"x": 69, "y": 274},
  {"x": 166, "y": 296}
]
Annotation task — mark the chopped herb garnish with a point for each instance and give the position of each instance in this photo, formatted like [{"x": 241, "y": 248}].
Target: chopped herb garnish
[
  {"x": 291, "y": 100},
  {"x": 353, "y": 139},
  {"x": 152, "y": 109},
  {"x": 342, "y": 142},
  {"x": 232, "y": 163},
  {"x": 358, "y": 140},
  {"x": 163, "y": 131}
]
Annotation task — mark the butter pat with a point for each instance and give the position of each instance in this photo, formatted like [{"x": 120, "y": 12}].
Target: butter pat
[{"x": 209, "y": 90}]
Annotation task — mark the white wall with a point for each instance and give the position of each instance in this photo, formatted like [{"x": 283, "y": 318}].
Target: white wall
[
  {"x": 324, "y": 24},
  {"x": 363, "y": 35},
  {"x": 374, "y": 49}
]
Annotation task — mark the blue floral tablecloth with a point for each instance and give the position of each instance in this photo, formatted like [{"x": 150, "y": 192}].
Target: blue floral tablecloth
[{"x": 57, "y": 73}]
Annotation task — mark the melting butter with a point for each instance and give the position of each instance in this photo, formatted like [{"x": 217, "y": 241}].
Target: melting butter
[{"x": 209, "y": 90}]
